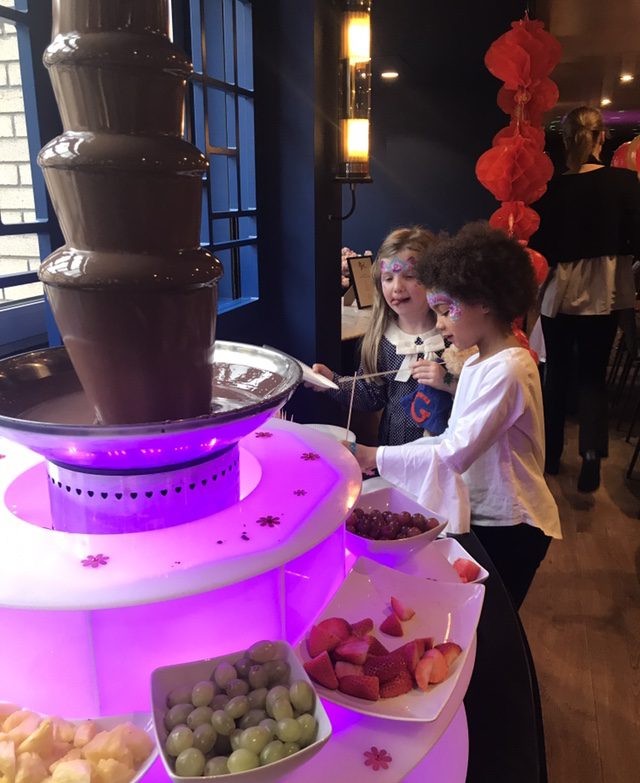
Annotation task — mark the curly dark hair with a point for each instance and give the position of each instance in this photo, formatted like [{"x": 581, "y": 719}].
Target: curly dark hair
[{"x": 481, "y": 265}]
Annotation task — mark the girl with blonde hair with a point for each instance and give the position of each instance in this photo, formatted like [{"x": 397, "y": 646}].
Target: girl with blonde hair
[{"x": 401, "y": 337}]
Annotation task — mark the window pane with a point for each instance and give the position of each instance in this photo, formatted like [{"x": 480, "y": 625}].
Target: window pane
[
  {"x": 225, "y": 286},
  {"x": 249, "y": 270},
  {"x": 222, "y": 118},
  {"x": 247, "y": 228},
  {"x": 19, "y": 253},
  {"x": 17, "y": 203},
  {"x": 221, "y": 231},
  {"x": 205, "y": 235},
  {"x": 196, "y": 42},
  {"x": 244, "y": 44},
  {"x": 214, "y": 38},
  {"x": 224, "y": 185},
  {"x": 229, "y": 70},
  {"x": 247, "y": 153}
]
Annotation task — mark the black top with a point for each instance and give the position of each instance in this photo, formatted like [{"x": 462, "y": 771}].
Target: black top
[{"x": 589, "y": 215}]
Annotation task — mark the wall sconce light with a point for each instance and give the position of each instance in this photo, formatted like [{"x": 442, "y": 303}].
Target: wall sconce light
[{"x": 355, "y": 95}]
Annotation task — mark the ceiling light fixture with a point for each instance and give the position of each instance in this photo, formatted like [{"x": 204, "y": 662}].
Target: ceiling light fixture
[
  {"x": 625, "y": 78},
  {"x": 605, "y": 102},
  {"x": 389, "y": 75}
]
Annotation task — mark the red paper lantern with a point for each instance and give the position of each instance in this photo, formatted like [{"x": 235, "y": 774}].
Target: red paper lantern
[
  {"x": 524, "y": 129},
  {"x": 531, "y": 103},
  {"x": 516, "y": 219},
  {"x": 539, "y": 264},
  {"x": 620, "y": 156},
  {"x": 524, "y": 56},
  {"x": 515, "y": 170}
]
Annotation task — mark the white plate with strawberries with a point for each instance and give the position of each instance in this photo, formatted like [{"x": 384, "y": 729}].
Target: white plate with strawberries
[
  {"x": 390, "y": 644},
  {"x": 445, "y": 560}
]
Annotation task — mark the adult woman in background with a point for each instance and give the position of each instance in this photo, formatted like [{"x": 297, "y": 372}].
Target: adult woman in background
[{"x": 589, "y": 233}]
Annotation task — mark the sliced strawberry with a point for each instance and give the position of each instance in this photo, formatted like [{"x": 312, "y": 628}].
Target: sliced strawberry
[
  {"x": 344, "y": 669},
  {"x": 450, "y": 650},
  {"x": 404, "y": 612},
  {"x": 440, "y": 668},
  {"x": 320, "y": 640},
  {"x": 321, "y": 670},
  {"x": 376, "y": 647},
  {"x": 467, "y": 570},
  {"x": 424, "y": 642},
  {"x": 362, "y": 627},
  {"x": 401, "y": 683},
  {"x": 385, "y": 667},
  {"x": 423, "y": 672},
  {"x": 361, "y": 686},
  {"x": 337, "y": 626},
  {"x": 353, "y": 651},
  {"x": 411, "y": 654},
  {"x": 392, "y": 625}
]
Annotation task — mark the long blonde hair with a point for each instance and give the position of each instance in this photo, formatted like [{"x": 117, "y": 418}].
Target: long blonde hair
[
  {"x": 415, "y": 238},
  {"x": 580, "y": 131}
]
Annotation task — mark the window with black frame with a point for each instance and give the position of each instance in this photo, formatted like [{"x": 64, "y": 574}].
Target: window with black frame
[
  {"x": 28, "y": 228},
  {"x": 220, "y": 121}
]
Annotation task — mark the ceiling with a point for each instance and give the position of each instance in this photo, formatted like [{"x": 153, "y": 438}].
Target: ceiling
[{"x": 600, "y": 41}]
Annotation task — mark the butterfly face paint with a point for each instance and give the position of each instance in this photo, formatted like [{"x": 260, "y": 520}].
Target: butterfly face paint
[
  {"x": 396, "y": 265},
  {"x": 439, "y": 298}
]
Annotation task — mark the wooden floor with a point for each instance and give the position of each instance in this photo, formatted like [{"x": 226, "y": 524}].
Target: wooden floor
[{"x": 582, "y": 617}]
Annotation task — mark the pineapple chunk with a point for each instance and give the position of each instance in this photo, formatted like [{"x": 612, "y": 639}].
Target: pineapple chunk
[
  {"x": 28, "y": 726},
  {"x": 16, "y": 718},
  {"x": 7, "y": 761},
  {"x": 136, "y": 739},
  {"x": 39, "y": 741},
  {"x": 112, "y": 771},
  {"x": 75, "y": 771},
  {"x": 63, "y": 730},
  {"x": 72, "y": 755},
  {"x": 86, "y": 730},
  {"x": 6, "y": 709},
  {"x": 108, "y": 745},
  {"x": 30, "y": 768}
]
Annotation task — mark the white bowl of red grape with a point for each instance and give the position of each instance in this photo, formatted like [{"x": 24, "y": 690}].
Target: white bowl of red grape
[
  {"x": 252, "y": 715},
  {"x": 387, "y": 522}
]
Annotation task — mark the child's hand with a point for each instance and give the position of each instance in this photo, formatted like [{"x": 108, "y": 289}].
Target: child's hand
[
  {"x": 320, "y": 369},
  {"x": 430, "y": 374},
  {"x": 366, "y": 455}
]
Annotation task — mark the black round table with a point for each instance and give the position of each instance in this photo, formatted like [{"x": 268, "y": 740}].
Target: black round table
[{"x": 506, "y": 737}]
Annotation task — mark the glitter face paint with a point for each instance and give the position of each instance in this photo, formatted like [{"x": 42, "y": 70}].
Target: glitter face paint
[
  {"x": 436, "y": 298},
  {"x": 394, "y": 266}
]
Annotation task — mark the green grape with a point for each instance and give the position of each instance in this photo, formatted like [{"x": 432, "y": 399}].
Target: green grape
[
  {"x": 218, "y": 702},
  {"x": 309, "y": 726},
  {"x": 251, "y": 718},
  {"x": 237, "y": 707},
  {"x": 216, "y": 766},
  {"x": 278, "y": 692},
  {"x": 237, "y": 687},
  {"x": 199, "y": 717},
  {"x": 190, "y": 763},
  {"x": 260, "y": 652},
  {"x": 270, "y": 724},
  {"x": 180, "y": 738},
  {"x": 242, "y": 760},
  {"x": 242, "y": 667},
  {"x": 288, "y": 730},
  {"x": 258, "y": 677},
  {"x": 204, "y": 738},
  {"x": 224, "y": 673},
  {"x": 222, "y": 722},
  {"x": 255, "y": 739},
  {"x": 290, "y": 748},
  {"x": 258, "y": 699},
  {"x": 202, "y": 693},
  {"x": 235, "y": 739},
  {"x": 302, "y": 696},
  {"x": 177, "y": 715},
  {"x": 181, "y": 695},
  {"x": 281, "y": 709},
  {"x": 274, "y": 751},
  {"x": 278, "y": 672}
]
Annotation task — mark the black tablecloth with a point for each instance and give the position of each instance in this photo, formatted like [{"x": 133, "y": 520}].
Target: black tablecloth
[{"x": 506, "y": 739}]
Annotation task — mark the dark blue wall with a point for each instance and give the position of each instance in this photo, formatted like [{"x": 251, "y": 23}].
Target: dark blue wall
[{"x": 430, "y": 126}]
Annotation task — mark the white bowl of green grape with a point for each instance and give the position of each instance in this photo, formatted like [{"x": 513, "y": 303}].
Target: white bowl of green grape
[{"x": 252, "y": 715}]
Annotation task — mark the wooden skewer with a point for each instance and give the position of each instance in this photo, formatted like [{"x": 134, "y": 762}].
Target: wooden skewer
[
  {"x": 353, "y": 391},
  {"x": 370, "y": 375}
]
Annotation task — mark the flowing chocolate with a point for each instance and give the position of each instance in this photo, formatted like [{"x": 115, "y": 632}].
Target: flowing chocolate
[{"x": 133, "y": 294}]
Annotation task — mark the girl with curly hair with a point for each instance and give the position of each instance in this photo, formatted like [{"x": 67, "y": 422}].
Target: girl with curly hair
[{"x": 486, "y": 469}]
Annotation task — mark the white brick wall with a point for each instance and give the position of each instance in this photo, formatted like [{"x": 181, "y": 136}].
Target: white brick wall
[{"x": 17, "y": 253}]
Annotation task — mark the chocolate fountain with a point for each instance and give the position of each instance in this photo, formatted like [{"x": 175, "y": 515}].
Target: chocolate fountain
[{"x": 132, "y": 292}]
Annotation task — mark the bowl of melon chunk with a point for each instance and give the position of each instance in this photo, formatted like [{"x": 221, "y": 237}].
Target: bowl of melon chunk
[{"x": 37, "y": 748}]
